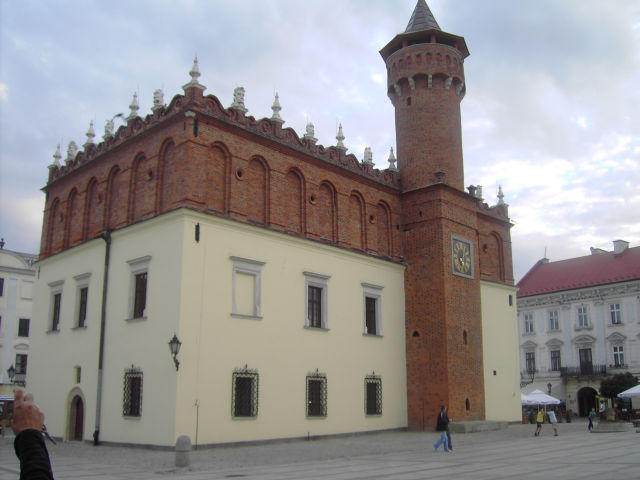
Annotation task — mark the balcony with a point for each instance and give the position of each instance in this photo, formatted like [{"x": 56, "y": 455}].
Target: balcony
[{"x": 584, "y": 371}]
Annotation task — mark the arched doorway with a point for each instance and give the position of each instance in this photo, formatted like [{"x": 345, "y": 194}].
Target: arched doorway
[
  {"x": 586, "y": 400},
  {"x": 76, "y": 418}
]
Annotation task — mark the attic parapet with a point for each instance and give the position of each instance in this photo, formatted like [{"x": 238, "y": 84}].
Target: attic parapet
[{"x": 235, "y": 115}]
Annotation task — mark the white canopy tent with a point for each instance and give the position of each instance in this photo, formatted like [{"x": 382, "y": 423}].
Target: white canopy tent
[
  {"x": 633, "y": 392},
  {"x": 538, "y": 397}
]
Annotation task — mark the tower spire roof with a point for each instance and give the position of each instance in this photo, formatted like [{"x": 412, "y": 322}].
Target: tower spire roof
[{"x": 422, "y": 19}]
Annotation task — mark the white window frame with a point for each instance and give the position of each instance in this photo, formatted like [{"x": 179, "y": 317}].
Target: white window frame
[
  {"x": 82, "y": 281},
  {"x": 137, "y": 266},
  {"x": 615, "y": 313},
  {"x": 618, "y": 354},
  {"x": 247, "y": 267},
  {"x": 319, "y": 281},
  {"x": 55, "y": 288},
  {"x": 372, "y": 291},
  {"x": 583, "y": 317},
  {"x": 529, "y": 325},
  {"x": 554, "y": 321}
]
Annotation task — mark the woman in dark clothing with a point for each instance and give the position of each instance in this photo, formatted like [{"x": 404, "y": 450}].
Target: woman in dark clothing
[{"x": 27, "y": 424}]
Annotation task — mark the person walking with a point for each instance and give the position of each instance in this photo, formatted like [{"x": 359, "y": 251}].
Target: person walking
[
  {"x": 592, "y": 415},
  {"x": 539, "y": 422},
  {"x": 554, "y": 422},
  {"x": 442, "y": 425}
]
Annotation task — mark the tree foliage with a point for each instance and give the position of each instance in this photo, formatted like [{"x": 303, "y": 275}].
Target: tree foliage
[{"x": 612, "y": 386}]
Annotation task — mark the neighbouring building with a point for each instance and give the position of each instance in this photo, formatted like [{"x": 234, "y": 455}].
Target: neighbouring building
[
  {"x": 17, "y": 276},
  {"x": 312, "y": 294},
  {"x": 579, "y": 321}
]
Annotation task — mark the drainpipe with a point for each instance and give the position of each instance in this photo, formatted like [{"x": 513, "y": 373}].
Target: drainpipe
[{"x": 106, "y": 236}]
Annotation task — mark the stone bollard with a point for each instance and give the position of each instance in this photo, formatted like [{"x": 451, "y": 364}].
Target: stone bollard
[{"x": 183, "y": 447}]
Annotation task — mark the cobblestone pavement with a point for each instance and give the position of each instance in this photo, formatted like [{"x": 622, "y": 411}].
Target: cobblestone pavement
[{"x": 505, "y": 454}]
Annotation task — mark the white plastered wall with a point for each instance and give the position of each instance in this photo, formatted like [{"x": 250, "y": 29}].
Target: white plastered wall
[
  {"x": 277, "y": 345},
  {"x": 500, "y": 352}
]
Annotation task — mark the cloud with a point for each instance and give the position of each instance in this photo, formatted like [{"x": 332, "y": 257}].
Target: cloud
[{"x": 4, "y": 92}]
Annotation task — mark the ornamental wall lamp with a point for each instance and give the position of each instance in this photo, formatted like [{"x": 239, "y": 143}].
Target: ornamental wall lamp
[{"x": 174, "y": 347}]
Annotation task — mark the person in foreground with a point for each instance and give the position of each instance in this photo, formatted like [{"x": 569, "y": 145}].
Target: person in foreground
[
  {"x": 442, "y": 426},
  {"x": 29, "y": 446}
]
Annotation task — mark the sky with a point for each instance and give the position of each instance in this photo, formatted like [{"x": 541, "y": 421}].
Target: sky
[{"x": 551, "y": 113}]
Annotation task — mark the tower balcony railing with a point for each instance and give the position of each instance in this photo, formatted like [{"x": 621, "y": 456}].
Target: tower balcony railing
[{"x": 589, "y": 371}]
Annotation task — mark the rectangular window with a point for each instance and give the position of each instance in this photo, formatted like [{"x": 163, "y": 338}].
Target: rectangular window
[
  {"x": 586, "y": 365},
  {"x": 1, "y": 286},
  {"x": 83, "y": 294},
  {"x": 556, "y": 363},
  {"x": 616, "y": 314},
  {"x": 583, "y": 316},
  {"x": 140, "y": 296},
  {"x": 554, "y": 323},
  {"x": 55, "y": 316},
  {"x": 244, "y": 395},
  {"x": 528, "y": 323},
  {"x": 139, "y": 287},
  {"x": 23, "y": 327},
  {"x": 372, "y": 309},
  {"x": 315, "y": 307},
  {"x": 618, "y": 355},
  {"x": 21, "y": 364},
  {"x": 316, "y": 395},
  {"x": 132, "y": 393},
  {"x": 246, "y": 288},
  {"x": 78, "y": 370},
  {"x": 530, "y": 361},
  {"x": 316, "y": 300},
  {"x": 373, "y": 395}
]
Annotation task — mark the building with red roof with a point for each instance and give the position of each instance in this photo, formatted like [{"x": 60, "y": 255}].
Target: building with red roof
[{"x": 579, "y": 321}]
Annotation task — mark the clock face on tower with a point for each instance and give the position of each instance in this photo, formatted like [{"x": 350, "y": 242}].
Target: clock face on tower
[{"x": 461, "y": 256}]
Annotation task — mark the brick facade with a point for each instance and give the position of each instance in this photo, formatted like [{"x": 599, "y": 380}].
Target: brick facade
[{"x": 196, "y": 154}]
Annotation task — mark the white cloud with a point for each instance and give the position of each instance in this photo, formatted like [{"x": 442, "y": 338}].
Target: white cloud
[{"x": 4, "y": 92}]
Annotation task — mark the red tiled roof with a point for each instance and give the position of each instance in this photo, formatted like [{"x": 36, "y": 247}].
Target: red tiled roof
[{"x": 597, "y": 269}]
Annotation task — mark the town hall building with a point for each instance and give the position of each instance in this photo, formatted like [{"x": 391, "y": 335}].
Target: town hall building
[{"x": 303, "y": 292}]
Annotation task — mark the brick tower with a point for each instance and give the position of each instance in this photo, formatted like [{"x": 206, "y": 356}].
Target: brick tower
[{"x": 442, "y": 284}]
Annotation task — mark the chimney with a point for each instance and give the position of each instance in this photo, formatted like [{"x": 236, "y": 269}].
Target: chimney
[{"x": 619, "y": 246}]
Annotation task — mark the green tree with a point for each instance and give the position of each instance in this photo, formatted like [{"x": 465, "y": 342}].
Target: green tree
[{"x": 612, "y": 386}]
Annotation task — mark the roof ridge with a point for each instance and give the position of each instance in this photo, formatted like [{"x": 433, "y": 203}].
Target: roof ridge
[{"x": 422, "y": 19}]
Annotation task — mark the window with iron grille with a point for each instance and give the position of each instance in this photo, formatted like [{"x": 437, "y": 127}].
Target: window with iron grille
[
  {"x": 23, "y": 327},
  {"x": 373, "y": 395},
  {"x": 244, "y": 393},
  {"x": 316, "y": 395},
  {"x": 132, "y": 393}
]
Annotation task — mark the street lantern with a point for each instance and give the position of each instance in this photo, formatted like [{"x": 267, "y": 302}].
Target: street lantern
[
  {"x": 549, "y": 388},
  {"x": 174, "y": 347},
  {"x": 11, "y": 371}
]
